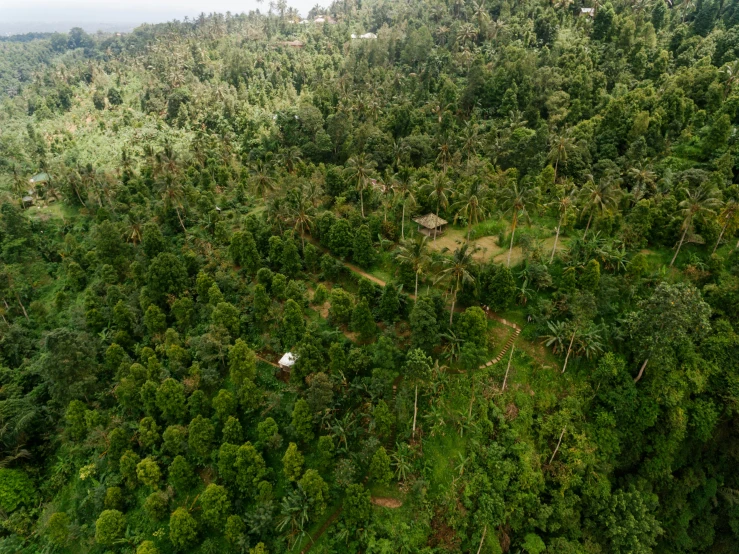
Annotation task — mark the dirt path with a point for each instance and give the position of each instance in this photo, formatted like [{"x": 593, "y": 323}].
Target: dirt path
[
  {"x": 268, "y": 362},
  {"x": 516, "y": 331},
  {"x": 364, "y": 274},
  {"x": 322, "y": 530},
  {"x": 386, "y": 502}
]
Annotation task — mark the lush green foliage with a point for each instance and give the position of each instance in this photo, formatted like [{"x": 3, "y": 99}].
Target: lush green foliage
[{"x": 212, "y": 194}]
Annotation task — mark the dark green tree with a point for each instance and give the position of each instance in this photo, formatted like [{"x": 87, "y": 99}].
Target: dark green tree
[
  {"x": 363, "y": 322},
  {"x": 363, "y": 253}
]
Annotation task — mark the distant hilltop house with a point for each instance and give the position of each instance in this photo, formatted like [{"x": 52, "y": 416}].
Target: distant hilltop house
[
  {"x": 39, "y": 179},
  {"x": 292, "y": 43},
  {"x": 378, "y": 186},
  {"x": 287, "y": 361},
  {"x": 32, "y": 194},
  {"x": 365, "y": 36},
  {"x": 431, "y": 225},
  {"x": 590, "y": 12},
  {"x": 319, "y": 19}
]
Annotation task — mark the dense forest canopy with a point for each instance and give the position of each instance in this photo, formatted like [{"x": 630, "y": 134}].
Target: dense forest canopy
[{"x": 498, "y": 240}]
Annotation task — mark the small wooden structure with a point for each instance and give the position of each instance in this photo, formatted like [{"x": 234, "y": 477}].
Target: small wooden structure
[
  {"x": 431, "y": 225},
  {"x": 590, "y": 12},
  {"x": 39, "y": 179},
  {"x": 292, "y": 43},
  {"x": 287, "y": 362}
]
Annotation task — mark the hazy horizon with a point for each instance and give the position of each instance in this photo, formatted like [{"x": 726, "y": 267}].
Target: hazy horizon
[{"x": 113, "y": 16}]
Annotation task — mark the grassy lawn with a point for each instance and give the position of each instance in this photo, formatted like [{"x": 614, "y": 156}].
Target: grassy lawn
[
  {"x": 442, "y": 455},
  {"x": 499, "y": 334}
]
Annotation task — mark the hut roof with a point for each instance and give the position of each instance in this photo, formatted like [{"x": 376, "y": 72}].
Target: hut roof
[
  {"x": 430, "y": 221},
  {"x": 288, "y": 360},
  {"x": 39, "y": 178}
]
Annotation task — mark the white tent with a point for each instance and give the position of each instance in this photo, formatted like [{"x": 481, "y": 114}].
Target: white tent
[{"x": 287, "y": 361}]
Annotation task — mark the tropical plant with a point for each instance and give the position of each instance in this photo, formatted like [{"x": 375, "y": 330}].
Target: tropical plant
[
  {"x": 516, "y": 199},
  {"x": 415, "y": 254},
  {"x": 703, "y": 200},
  {"x": 359, "y": 169}
]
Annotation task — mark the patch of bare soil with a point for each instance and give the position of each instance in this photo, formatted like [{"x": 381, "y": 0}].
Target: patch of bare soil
[
  {"x": 444, "y": 537},
  {"x": 511, "y": 412},
  {"x": 386, "y": 502},
  {"x": 323, "y": 309}
]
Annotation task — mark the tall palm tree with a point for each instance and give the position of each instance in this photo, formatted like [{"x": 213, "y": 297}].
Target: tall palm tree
[
  {"x": 599, "y": 197},
  {"x": 643, "y": 178},
  {"x": 136, "y": 224},
  {"x": 173, "y": 196},
  {"x": 300, "y": 210},
  {"x": 703, "y": 200},
  {"x": 291, "y": 157},
  {"x": 359, "y": 169},
  {"x": 261, "y": 178},
  {"x": 516, "y": 199},
  {"x": 439, "y": 190},
  {"x": 444, "y": 159},
  {"x": 731, "y": 208},
  {"x": 456, "y": 270},
  {"x": 471, "y": 205},
  {"x": 564, "y": 203},
  {"x": 559, "y": 332},
  {"x": 415, "y": 254},
  {"x": 470, "y": 140},
  {"x": 386, "y": 195},
  {"x": 404, "y": 188},
  {"x": 466, "y": 35},
  {"x": 167, "y": 171},
  {"x": 400, "y": 152},
  {"x": 481, "y": 15},
  {"x": 731, "y": 70},
  {"x": 560, "y": 148}
]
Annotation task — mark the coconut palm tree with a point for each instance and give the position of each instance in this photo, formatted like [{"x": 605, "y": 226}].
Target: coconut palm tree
[
  {"x": 471, "y": 205},
  {"x": 643, "y": 178},
  {"x": 439, "y": 190},
  {"x": 731, "y": 208},
  {"x": 173, "y": 196},
  {"x": 415, "y": 254},
  {"x": 560, "y": 148},
  {"x": 703, "y": 200},
  {"x": 564, "y": 202},
  {"x": 261, "y": 178},
  {"x": 516, "y": 199},
  {"x": 470, "y": 140},
  {"x": 456, "y": 270},
  {"x": 559, "y": 332},
  {"x": 481, "y": 15},
  {"x": 599, "y": 197},
  {"x": 400, "y": 153},
  {"x": 359, "y": 169},
  {"x": 300, "y": 210},
  {"x": 404, "y": 188},
  {"x": 291, "y": 157},
  {"x": 466, "y": 35},
  {"x": 731, "y": 70},
  {"x": 444, "y": 159},
  {"x": 136, "y": 222}
]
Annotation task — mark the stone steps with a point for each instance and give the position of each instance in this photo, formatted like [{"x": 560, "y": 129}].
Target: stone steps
[{"x": 508, "y": 344}]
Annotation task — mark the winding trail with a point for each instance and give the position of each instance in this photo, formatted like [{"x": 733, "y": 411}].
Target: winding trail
[
  {"x": 490, "y": 314},
  {"x": 322, "y": 530},
  {"x": 516, "y": 332}
]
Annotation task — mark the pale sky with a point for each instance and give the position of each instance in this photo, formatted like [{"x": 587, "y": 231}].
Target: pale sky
[{"x": 18, "y": 16}]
